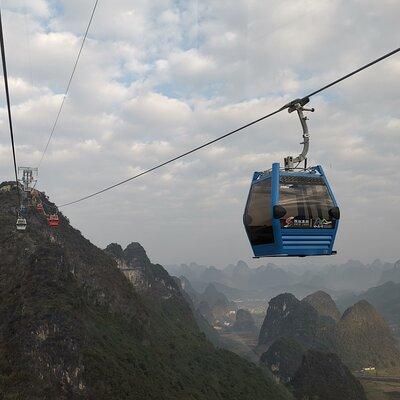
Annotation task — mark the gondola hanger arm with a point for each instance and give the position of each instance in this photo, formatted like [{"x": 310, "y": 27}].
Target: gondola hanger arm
[{"x": 298, "y": 106}]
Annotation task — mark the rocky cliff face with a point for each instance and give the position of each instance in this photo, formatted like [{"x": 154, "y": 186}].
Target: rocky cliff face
[
  {"x": 244, "y": 322},
  {"x": 323, "y": 376},
  {"x": 323, "y": 304},
  {"x": 364, "y": 339},
  {"x": 72, "y": 326},
  {"x": 283, "y": 358},
  {"x": 291, "y": 318},
  {"x": 144, "y": 276}
]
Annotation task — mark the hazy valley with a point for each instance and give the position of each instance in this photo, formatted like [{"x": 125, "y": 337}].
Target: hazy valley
[
  {"x": 78, "y": 322},
  {"x": 350, "y": 310}
]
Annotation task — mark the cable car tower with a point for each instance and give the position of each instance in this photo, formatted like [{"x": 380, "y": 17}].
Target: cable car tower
[
  {"x": 28, "y": 178},
  {"x": 292, "y": 211}
]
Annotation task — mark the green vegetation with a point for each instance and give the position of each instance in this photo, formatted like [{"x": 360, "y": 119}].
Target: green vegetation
[
  {"x": 363, "y": 339},
  {"x": 73, "y": 327},
  {"x": 322, "y": 376}
]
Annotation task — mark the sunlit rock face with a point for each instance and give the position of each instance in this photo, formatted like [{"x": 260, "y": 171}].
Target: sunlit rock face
[
  {"x": 289, "y": 317},
  {"x": 324, "y": 304},
  {"x": 143, "y": 275}
]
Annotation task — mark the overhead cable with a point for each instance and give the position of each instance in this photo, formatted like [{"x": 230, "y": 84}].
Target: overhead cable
[
  {"x": 303, "y": 100},
  {"x": 69, "y": 83},
  {"x": 5, "y": 75}
]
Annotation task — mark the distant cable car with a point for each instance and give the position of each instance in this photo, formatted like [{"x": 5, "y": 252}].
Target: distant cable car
[
  {"x": 53, "y": 220},
  {"x": 21, "y": 224},
  {"x": 39, "y": 207},
  {"x": 292, "y": 211},
  {"x": 23, "y": 211}
]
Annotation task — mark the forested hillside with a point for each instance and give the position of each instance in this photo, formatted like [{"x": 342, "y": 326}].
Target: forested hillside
[{"x": 73, "y": 326}]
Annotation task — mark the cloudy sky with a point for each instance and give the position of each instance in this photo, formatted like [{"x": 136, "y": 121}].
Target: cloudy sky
[{"x": 157, "y": 78}]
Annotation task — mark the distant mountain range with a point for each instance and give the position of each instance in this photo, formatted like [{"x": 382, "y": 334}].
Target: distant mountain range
[
  {"x": 361, "y": 337},
  {"x": 385, "y": 298},
  {"x": 239, "y": 276},
  {"x": 391, "y": 275},
  {"x": 352, "y": 276}
]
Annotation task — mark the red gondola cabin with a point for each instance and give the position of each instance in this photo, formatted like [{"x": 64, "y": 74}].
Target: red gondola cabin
[{"x": 53, "y": 220}]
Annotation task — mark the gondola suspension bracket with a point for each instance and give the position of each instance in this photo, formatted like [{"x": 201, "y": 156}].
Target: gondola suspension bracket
[{"x": 298, "y": 106}]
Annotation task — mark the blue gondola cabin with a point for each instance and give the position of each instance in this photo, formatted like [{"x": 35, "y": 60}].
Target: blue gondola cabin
[{"x": 291, "y": 213}]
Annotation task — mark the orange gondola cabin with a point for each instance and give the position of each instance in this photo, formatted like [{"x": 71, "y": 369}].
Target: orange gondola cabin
[{"x": 53, "y": 220}]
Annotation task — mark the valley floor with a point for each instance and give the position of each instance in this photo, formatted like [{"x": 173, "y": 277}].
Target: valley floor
[
  {"x": 243, "y": 344},
  {"x": 385, "y": 385},
  {"x": 381, "y": 390}
]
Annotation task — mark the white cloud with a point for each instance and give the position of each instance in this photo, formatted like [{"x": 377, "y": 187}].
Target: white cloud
[
  {"x": 158, "y": 78},
  {"x": 37, "y": 8}
]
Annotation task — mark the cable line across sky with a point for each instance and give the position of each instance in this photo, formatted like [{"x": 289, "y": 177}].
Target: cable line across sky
[
  {"x": 69, "y": 83},
  {"x": 303, "y": 101},
  {"x": 5, "y": 76}
]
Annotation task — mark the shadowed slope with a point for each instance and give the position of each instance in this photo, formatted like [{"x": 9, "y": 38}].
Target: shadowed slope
[{"x": 72, "y": 326}]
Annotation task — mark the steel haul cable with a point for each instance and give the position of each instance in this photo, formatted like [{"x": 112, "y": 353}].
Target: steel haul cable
[
  {"x": 370, "y": 64},
  {"x": 3, "y": 58},
  {"x": 286, "y": 106},
  {"x": 69, "y": 82}
]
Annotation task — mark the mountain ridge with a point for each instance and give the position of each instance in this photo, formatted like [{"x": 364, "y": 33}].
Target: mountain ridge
[
  {"x": 364, "y": 339},
  {"x": 72, "y": 326},
  {"x": 361, "y": 337}
]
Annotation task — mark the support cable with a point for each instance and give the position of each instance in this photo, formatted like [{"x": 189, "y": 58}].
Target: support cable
[
  {"x": 301, "y": 101},
  {"x": 69, "y": 83},
  {"x": 3, "y": 58}
]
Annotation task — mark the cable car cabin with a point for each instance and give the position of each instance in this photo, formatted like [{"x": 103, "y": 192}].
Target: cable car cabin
[
  {"x": 23, "y": 211},
  {"x": 53, "y": 220},
  {"x": 21, "y": 224},
  {"x": 291, "y": 213},
  {"x": 39, "y": 207}
]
